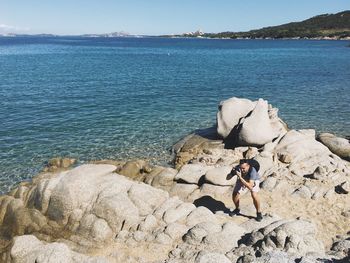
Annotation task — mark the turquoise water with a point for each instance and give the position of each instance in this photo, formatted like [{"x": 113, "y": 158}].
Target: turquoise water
[{"x": 126, "y": 98}]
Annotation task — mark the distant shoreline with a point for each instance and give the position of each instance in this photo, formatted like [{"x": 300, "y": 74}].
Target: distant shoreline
[
  {"x": 173, "y": 37},
  {"x": 284, "y": 38},
  {"x": 321, "y": 27}
]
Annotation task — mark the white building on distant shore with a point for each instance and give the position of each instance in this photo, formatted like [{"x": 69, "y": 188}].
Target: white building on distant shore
[{"x": 197, "y": 33}]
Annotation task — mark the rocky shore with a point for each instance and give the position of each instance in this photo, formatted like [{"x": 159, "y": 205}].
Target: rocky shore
[{"x": 114, "y": 211}]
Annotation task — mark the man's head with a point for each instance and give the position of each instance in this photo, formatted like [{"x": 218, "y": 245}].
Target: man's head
[{"x": 244, "y": 166}]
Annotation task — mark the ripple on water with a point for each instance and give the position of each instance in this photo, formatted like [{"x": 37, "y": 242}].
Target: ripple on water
[{"x": 127, "y": 98}]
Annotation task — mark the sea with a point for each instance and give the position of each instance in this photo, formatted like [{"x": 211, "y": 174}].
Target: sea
[{"x": 129, "y": 98}]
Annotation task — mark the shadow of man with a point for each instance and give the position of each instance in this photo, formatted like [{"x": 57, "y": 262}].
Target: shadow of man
[
  {"x": 211, "y": 203},
  {"x": 214, "y": 205}
]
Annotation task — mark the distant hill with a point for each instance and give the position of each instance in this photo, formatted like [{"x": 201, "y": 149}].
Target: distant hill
[
  {"x": 113, "y": 34},
  {"x": 27, "y": 35},
  {"x": 333, "y": 26}
]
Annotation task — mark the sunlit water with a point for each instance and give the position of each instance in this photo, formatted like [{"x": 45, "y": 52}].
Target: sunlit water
[{"x": 127, "y": 98}]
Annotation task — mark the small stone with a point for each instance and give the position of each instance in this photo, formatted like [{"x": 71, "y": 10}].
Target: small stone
[
  {"x": 58, "y": 163},
  {"x": 67, "y": 162},
  {"x": 163, "y": 239},
  {"x": 175, "y": 252},
  {"x": 54, "y": 162},
  {"x": 220, "y": 160},
  {"x": 285, "y": 158},
  {"x": 176, "y": 230},
  {"x": 147, "y": 169},
  {"x": 139, "y": 236},
  {"x": 149, "y": 223},
  {"x": 206, "y": 151}
]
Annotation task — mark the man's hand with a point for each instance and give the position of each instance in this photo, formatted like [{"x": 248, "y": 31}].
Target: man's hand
[{"x": 249, "y": 184}]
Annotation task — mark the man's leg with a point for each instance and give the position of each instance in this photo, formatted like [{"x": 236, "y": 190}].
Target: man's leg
[
  {"x": 256, "y": 202},
  {"x": 235, "y": 199}
]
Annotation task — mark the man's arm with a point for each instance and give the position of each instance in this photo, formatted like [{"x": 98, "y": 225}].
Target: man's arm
[{"x": 249, "y": 184}]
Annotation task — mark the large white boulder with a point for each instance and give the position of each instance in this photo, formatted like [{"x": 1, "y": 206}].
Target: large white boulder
[
  {"x": 248, "y": 123},
  {"x": 76, "y": 189},
  {"x": 230, "y": 112},
  {"x": 257, "y": 128},
  {"x": 305, "y": 156},
  {"x": 90, "y": 201},
  {"x": 28, "y": 248},
  {"x": 220, "y": 176},
  {"x": 191, "y": 173},
  {"x": 298, "y": 146}
]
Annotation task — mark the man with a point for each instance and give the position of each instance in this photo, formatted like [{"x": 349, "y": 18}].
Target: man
[{"x": 248, "y": 179}]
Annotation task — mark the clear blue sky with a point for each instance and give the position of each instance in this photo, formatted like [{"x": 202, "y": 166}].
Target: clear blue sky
[{"x": 154, "y": 17}]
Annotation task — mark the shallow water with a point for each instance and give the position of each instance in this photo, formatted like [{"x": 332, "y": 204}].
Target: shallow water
[{"x": 126, "y": 98}]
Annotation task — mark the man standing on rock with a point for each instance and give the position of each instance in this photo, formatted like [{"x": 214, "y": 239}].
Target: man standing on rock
[{"x": 248, "y": 179}]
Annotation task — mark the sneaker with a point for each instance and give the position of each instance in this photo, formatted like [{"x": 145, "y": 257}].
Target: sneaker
[
  {"x": 235, "y": 212},
  {"x": 258, "y": 217}
]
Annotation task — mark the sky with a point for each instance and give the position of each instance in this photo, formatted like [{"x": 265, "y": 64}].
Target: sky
[{"x": 155, "y": 17}]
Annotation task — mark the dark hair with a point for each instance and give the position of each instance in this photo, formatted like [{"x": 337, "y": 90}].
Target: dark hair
[
  {"x": 252, "y": 162},
  {"x": 242, "y": 161}
]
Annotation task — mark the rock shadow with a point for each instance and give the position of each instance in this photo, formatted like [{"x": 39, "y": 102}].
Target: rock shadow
[
  {"x": 208, "y": 133},
  {"x": 211, "y": 203},
  {"x": 309, "y": 176},
  {"x": 339, "y": 190},
  {"x": 231, "y": 141},
  {"x": 245, "y": 240}
]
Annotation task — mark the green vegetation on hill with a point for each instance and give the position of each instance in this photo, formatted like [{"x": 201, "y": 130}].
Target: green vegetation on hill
[{"x": 323, "y": 26}]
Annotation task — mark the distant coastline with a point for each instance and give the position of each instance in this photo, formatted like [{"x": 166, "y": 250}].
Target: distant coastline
[
  {"x": 171, "y": 37},
  {"x": 321, "y": 27},
  {"x": 266, "y": 38}
]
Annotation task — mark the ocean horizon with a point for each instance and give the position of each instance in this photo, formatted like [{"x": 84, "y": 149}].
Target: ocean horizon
[{"x": 130, "y": 98}]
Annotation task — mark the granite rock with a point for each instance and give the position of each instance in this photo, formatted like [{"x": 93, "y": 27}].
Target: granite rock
[{"x": 337, "y": 145}]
